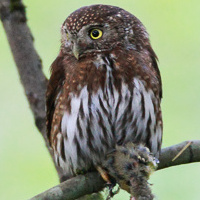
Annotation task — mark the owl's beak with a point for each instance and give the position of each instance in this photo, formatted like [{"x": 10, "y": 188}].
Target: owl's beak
[
  {"x": 76, "y": 50},
  {"x": 76, "y": 53}
]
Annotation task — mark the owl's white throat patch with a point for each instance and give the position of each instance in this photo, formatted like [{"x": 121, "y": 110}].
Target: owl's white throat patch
[{"x": 99, "y": 62}]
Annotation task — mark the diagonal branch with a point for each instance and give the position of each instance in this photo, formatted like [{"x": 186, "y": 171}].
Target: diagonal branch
[
  {"x": 29, "y": 65},
  {"x": 92, "y": 182},
  {"x": 12, "y": 13}
]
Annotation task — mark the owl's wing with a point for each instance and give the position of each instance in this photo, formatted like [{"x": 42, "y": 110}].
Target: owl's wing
[
  {"x": 53, "y": 89},
  {"x": 155, "y": 66}
]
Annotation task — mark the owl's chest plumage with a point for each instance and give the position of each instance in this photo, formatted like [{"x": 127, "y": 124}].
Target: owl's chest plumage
[{"x": 104, "y": 107}]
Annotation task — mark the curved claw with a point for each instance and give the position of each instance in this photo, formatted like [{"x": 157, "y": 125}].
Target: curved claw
[{"x": 104, "y": 174}]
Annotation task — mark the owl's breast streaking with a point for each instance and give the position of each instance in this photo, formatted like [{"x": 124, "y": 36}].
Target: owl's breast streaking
[{"x": 108, "y": 100}]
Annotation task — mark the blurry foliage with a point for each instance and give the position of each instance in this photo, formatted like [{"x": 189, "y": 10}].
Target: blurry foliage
[{"x": 25, "y": 166}]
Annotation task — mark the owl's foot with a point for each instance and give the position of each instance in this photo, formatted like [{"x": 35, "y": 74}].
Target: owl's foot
[{"x": 131, "y": 165}]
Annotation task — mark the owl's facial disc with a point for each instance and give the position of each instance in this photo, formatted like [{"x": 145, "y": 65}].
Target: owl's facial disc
[
  {"x": 88, "y": 40},
  {"x": 78, "y": 45},
  {"x": 72, "y": 44},
  {"x": 95, "y": 38}
]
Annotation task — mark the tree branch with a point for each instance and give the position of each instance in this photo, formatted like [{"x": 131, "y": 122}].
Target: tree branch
[
  {"x": 92, "y": 182},
  {"x": 29, "y": 65},
  {"x": 74, "y": 188},
  {"x": 12, "y": 13},
  {"x": 190, "y": 155}
]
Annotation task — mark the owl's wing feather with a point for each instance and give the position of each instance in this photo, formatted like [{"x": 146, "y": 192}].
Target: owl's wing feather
[
  {"x": 155, "y": 66},
  {"x": 53, "y": 89}
]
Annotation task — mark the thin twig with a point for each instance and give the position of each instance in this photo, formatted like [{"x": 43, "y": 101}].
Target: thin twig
[
  {"x": 189, "y": 155},
  {"x": 182, "y": 150}
]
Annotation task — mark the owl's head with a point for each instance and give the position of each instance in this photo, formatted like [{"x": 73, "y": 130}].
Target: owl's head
[{"x": 100, "y": 28}]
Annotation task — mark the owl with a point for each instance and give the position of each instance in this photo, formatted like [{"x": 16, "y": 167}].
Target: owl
[{"x": 104, "y": 95}]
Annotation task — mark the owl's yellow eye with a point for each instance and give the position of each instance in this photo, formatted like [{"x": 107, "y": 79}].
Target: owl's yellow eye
[{"x": 96, "y": 34}]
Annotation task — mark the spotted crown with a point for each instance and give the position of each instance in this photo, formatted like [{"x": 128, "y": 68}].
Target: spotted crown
[{"x": 95, "y": 14}]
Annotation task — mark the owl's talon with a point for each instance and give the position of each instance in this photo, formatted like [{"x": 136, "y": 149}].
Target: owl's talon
[{"x": 104, "y": 175}]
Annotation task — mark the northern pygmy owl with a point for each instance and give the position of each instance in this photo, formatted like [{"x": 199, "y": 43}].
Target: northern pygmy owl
[{"x": 104, "y": 92}]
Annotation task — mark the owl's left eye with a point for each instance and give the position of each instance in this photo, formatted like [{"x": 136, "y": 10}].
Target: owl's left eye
[{"x": 96, "y": 33}]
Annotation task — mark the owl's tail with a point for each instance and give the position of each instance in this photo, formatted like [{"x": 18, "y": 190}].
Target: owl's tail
[{"x": 131, "y": 165}]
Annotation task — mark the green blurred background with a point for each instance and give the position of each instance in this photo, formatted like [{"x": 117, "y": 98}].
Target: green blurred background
[{"x": 174, "y": 26}]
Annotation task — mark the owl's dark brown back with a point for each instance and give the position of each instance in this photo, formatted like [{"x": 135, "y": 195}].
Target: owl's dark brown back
[{"x": 105, "y": 88}]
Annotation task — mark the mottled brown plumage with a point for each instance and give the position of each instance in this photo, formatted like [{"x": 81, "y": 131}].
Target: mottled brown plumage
[{"x": 104, "y": 91}]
